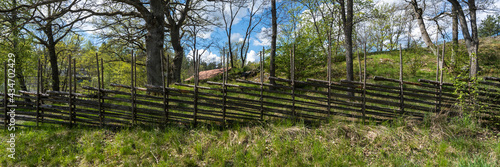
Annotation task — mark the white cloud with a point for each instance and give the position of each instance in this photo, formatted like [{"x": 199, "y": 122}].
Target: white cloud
[
  {"x": 263, "y": 37},
  {"x": 252, "y": 56},
  {"x": 206, "y": 56},
  {"x": 388, "y": 2},
  {"x": 206, "y": 34},
  {"x": 236, "y": 37}
]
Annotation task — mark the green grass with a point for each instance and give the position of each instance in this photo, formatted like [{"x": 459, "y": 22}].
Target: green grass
[{"x": 282, "y": 143}]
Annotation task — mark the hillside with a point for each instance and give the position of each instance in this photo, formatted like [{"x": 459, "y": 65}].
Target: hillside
[{"x": 419, "y": 63}]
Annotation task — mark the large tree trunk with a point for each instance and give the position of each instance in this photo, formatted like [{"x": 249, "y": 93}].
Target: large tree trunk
[
  {"x": 471, "y": 41},
  {"x": 179, "y": 52},
  {"x": 154, "y": 43},
  {"x": 408, "y": 45},
  {"x": 15, "y": 43},
  {"x": 53, "y": 59},
  {"x": 454, "y": 19},
  {"x": 347, "y": 18},
  {"x": 474, "y": 65},
  {"x": 272, "y": 66},
  {"x": 19, "y": 67},
  {"x": 230, "y": 51},
  {"x": 418, "y": 14}
]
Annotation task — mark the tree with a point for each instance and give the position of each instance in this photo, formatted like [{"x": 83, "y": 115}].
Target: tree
[
  {"x": 153, "y": 15},
  {"x": 454, "y": 32},
  {"x": 159, "y": 16},
  {"x": 55, "y": 20},
  {"x": 423, "y": 30},
  {"x": 454, "y": 20},
  {"x": 471, "y": 39},
  {"x": 177, "y": 16},
  {"x": 347, "y": 20},
  {"x": 229, "y": 18},
  {"x": 272, "y": 65},
  {"x": 253, "y": 21},
  {"x": 490, "y": 26},
  {"x": 15, "y": 39},
  {"x": 381, "y": 25}
]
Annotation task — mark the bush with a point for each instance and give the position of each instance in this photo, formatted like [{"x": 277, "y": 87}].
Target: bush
[{"x": 414, "y": 61}]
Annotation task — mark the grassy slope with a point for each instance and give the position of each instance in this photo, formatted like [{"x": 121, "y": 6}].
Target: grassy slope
[
  {"x": 459, "y": 143},
  {"x": 386, "y": 63}
]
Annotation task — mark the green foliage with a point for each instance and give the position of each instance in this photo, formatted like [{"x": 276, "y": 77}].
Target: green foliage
[
  {"x": 385, "y": 26},
  {"x": 468, "y": 91},
  {"x": 413, "y": 60},
  {"x": 307, "y": 58},
  {"x": 489, "y": 26},
  {"x": 338, "y": 59}
]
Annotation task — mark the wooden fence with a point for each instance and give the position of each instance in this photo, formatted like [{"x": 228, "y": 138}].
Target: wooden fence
[{"x": 225, "y": 103}]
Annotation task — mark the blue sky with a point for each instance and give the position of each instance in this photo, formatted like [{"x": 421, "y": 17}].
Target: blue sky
[
  {"x": 261, "y": 35},
  {"x": 259, "y": 38}
]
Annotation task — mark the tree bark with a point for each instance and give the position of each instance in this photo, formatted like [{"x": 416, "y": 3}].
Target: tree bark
[
  {"x": 272, "y": 66},
  {"x": 454, "y": 19},
  {"x": 53, "y": 58},
  {"x": 179, "y": 53},
  {"x": 425, "y": 36},
  {"x": 347, "y": 18},
  {"x": 474, "y": 65},
  {"x": 408, "y": 45},
  {"x": 230, "y": 50},
  {"x": 174, "y": 26},
  {"x": 15, "y": 43},
  {"x": 471, "y": 40},
  {"x": 154, "y": 42}
]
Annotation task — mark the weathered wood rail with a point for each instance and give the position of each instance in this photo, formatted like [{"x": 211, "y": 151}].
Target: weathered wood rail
[{"x": 224, "y": 103}]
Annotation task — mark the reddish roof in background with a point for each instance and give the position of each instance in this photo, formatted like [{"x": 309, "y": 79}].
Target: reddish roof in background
[{"x": 208, "y": 74}]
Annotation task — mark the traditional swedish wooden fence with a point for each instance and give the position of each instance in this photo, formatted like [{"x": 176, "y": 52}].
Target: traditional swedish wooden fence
[{"x": 225, "y": 103}]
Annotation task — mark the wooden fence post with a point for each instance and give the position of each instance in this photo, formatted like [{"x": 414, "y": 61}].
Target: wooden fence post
[
  {"x": 224, "y": 80},
  {"x": 101, "y": 92},
  {"x": 441, "y": 64},
  {"x": 437, "y": 57},
  {"x": 262, "y": 84},
  {"x": 132, "y": 88},
  {"x": 101, "y": 116},
  {"x": 74, "y": 88},
  {"x": 168, "y": 83},
  {"x": 102, "y": 74},
  {"x": 38, "y": 93},
  {"x": 437, "y": 73},
  {"x": 42, "y": 89},
  {"x": 292, "y": 76},
  {"x": 329, "y": 75},
  {"x": 74, "y": 76},
  {"x": 6, "y": 109},
  {"x": 196, "y": 60},
  {"x": 401, "y": 91},
  {"x": 70, "y": 97},
  {"x": 359, "y": 65},
  {"x": 364, "y": 86},
  {"x": 163, "y": 87}
]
